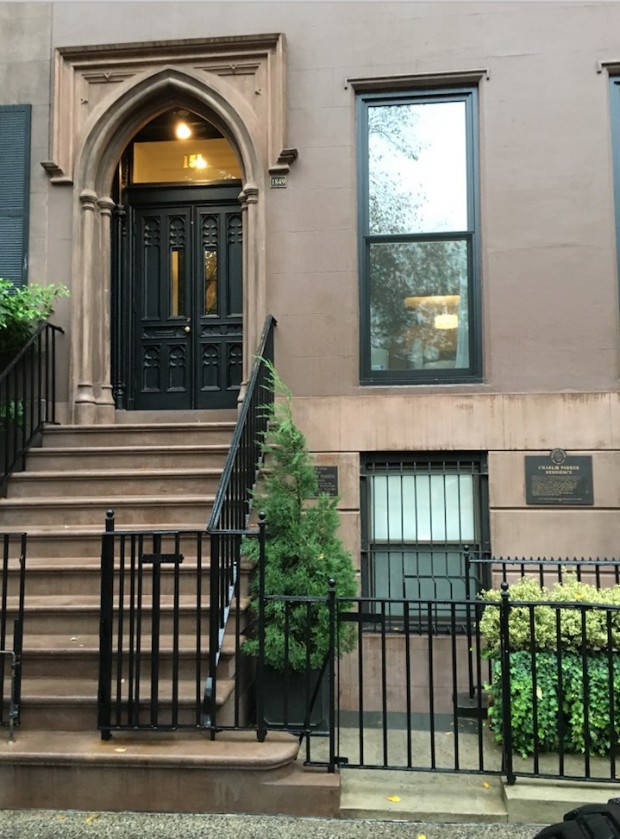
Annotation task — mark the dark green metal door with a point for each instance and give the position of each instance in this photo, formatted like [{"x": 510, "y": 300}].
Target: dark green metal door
[{"x": 185, "y": 277}]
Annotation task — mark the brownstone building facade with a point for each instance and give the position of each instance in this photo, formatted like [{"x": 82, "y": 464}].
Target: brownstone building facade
[{"x": 421, "y": 193}]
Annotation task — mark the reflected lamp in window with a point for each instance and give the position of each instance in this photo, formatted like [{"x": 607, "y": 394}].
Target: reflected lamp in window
[{"x": 419, "y": 246}]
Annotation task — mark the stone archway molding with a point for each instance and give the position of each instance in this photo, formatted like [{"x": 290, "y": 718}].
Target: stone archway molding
[{"x": 132, "y": 100}]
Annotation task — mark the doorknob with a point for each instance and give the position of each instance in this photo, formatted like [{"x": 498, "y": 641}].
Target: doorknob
[{"x": 187, "y": 329}]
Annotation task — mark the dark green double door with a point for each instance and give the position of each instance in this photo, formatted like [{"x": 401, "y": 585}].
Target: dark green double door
[{"x": 185, "y": 284}]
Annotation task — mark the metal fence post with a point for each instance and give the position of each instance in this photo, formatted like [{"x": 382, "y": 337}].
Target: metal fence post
[
  {"x": 331, "y": 600},
  {"x": 261, "y": 731},
  {"x": 105, "y": 627},
  {"x": 504, "y": 638}
]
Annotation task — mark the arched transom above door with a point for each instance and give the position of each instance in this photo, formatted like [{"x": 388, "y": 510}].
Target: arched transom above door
[{"x": 87, "y": 78}]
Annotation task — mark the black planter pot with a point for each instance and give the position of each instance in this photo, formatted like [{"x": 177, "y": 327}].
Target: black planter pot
[{"x": 287, "y": 695}]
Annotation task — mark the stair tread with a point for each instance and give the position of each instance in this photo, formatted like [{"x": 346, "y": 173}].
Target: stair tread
[
  {"x": 229, "y": 749},
  {"x": 156, "y": 448},
  {"x": 95, "y": 500},
  {"x": 78, "y": 690},
  {"x": 123, "y": 428},
  {"x": 88, "y": 602},
  {"x": 88, "y": 644},
  {"x": 146, "y": 472}
]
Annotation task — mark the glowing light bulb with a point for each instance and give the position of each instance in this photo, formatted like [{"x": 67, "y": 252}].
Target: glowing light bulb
[{"x": 183, "y": 131}]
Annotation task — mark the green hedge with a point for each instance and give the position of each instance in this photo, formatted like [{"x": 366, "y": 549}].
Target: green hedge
[
  {"x": 554, "y": 711},
  {"x": 571, "y": 592},
  {"x": 579, "y": 641}
]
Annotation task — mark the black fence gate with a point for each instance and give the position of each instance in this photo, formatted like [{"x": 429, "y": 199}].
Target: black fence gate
[
  {"x": 154, "y": 629},
  {"x": 12, "y": 580}
]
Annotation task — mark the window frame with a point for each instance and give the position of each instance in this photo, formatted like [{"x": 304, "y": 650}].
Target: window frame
[
  {"x": 424, "y": 463},
  {"x": 473, "y": 373}
]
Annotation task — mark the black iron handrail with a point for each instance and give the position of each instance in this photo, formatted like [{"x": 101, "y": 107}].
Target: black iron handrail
[
  {"x": 27, "y": 398},
  {"x": 231, "y": 511}
]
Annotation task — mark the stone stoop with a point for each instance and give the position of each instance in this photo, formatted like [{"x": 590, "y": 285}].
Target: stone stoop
[
  {"x": 160, "y": 475},
  {"x": 183, "y": 773}
]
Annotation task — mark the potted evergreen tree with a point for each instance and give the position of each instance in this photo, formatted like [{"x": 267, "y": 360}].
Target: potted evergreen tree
[{"x": 303, "y": 552}]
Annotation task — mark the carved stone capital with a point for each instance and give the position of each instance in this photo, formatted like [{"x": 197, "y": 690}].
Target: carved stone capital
[
  {"x": 106, "y": 206},
  {"x": 249, "y": 194},
  {"x": 88, "y": 200}
]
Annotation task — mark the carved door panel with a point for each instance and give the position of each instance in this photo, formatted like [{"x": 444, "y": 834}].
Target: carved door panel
[{"x": 187, "y": 302}]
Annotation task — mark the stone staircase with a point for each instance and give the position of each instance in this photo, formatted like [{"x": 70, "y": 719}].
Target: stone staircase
[{"x": 160, "y": 475}]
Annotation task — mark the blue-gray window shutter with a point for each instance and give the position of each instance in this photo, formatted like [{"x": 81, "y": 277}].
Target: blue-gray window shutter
[{"x": 14, "y": 191}]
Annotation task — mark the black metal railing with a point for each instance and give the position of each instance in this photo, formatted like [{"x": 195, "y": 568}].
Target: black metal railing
[
  {"x": 12, "y": 581},
  {"x": 230, "y": 516},
  {"x": 489, "y": 570},
  {"x": 152, "y": 657},
  {"x": 27, "y": 399},
  {"x": 549, "y": 708}
]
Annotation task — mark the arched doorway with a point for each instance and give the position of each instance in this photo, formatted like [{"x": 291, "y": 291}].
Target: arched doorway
[
  {"x": 107, "y": 134},
  {"x": 177, "y": 276}
]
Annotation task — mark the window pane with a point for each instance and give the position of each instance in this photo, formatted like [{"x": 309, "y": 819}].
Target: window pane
[
  {"x": 417, "y": 168},
  {"x": 210, "y": 273},
  {"x": 419, "y": 305},
  {"x": 177, "y": 284},
  {"x": 422, "y": 508}
]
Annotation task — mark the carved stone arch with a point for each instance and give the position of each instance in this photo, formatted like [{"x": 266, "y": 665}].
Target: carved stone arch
[{"x": 90, "y": 150}]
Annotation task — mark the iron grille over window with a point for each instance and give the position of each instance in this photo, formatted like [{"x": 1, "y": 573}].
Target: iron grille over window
[
  {"x": 419, "y": 512},
  {"x": 419, "y": 242}
]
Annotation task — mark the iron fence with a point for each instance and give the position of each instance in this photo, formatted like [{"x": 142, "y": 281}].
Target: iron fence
[
  {"x": 27, "y": 399},
  {"x": 12, "y": 583},
  {"x": 153, "y": 658},
  {"x": 548, "y": 671}
]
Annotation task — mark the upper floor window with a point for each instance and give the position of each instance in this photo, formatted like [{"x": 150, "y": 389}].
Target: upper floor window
[
  {"x": 419, "y": 249},
  {"x": 14, "y": 191}
]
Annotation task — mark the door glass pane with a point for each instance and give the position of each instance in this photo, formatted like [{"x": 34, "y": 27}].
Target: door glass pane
[
  {"x": 210, "y": 273},
  {"x": 417, "y": 168},
  {"x": 419, "y": 305},
  {"x": 177, "y": 283}
]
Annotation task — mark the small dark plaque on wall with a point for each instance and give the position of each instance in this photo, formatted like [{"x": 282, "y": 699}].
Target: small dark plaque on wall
[
  {"x": 559, "y": 479},
  {"x": 327, "y": 479}
]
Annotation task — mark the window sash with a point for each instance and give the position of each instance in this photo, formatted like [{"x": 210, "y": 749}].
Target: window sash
[{"x": 397, "y": 359}]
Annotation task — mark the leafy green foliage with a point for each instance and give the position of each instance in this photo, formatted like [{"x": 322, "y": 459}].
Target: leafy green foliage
[
  {"x": 303, "y": 550},
  {"x": 571, "y": 591},
  {"x": 557, "y": 711},
  {"x": 22, "y": 309},
  {"x": 572, "y": 640}
]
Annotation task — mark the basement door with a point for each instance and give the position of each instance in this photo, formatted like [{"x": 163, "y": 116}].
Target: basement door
[{"x": 186, "y": 296}]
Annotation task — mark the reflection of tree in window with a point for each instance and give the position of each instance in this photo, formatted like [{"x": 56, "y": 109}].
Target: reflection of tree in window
[
  {"x": 417, "y": 190},
  {"x": 210, "y": 282}
]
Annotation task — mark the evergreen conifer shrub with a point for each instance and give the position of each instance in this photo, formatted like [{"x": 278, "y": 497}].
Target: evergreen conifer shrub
[{"x": 303, "y": 549}]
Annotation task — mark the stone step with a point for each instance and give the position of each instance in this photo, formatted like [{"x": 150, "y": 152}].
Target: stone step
[
  {"x": 164, "y": 434},
  {"x": 126, "y": 457},
  {"x": 114, "y": 483},
  {"x": 163, "y": 772},
  {"x": 81, "y": 541},
  {"x": 80, "y": 615},
  {"x": 70, "y": 704},
  {"x": 154, "y": 511},
  {"x": 49, "y": 656},
  {"x": 82, "y": 577}
]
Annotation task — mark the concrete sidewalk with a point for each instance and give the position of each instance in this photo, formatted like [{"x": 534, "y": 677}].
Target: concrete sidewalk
[
  {"x": 462, "y": 798},
  {"x": 48, "y": 824}
]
